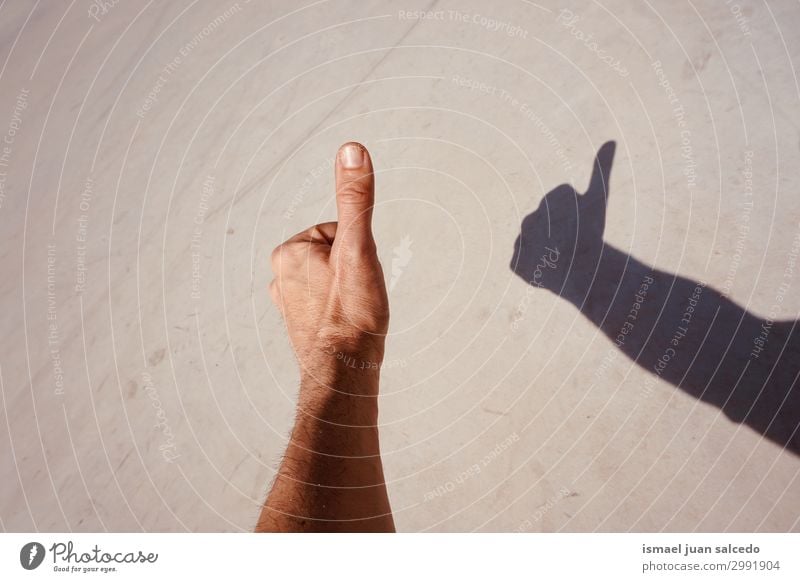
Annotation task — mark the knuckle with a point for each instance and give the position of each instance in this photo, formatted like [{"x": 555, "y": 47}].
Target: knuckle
[
  {"x": 284, "y": 252},
  {"x": 354, "y": 192},
  {"x": 275, "y": 296},
  {"x": 275, "y": 256},
  {"x": 288, "y": 258}
]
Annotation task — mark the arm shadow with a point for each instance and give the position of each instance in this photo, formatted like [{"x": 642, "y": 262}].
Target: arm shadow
[{"x": 681, "y": 331}]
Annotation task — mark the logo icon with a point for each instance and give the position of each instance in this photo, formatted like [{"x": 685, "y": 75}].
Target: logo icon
[
  {"x": 31, "y": 555},
  {"x": 402, "y": 256}
]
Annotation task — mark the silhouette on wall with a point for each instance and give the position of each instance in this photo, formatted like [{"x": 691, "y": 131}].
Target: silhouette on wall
[{"x": 681, "y": 331}]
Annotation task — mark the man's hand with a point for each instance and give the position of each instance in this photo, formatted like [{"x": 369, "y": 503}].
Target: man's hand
[
  {"x": 329, "y": 283},
  {"x": 329, "y": 286}
]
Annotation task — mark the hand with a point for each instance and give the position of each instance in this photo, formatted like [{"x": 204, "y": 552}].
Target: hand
[{"x": 329, "y": 284}]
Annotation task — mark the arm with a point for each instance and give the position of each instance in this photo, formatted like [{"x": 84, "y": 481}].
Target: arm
[
  {"x": 329, "y": 287},
  {"x": 331, "y": 478}
]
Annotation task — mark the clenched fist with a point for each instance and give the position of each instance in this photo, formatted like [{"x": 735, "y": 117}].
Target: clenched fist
[{"x": 329, "y": 283}]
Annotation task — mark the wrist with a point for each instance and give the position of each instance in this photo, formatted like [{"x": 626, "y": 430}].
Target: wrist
[
  {"x": 354, "y": 362},
  {"x": 341, "y": 387}
]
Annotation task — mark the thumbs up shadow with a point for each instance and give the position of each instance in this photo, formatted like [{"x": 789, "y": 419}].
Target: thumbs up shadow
[{"x": 681, "y": 331}]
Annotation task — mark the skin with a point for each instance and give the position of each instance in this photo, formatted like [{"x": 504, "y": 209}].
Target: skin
[{"x": 330, "y": 289}]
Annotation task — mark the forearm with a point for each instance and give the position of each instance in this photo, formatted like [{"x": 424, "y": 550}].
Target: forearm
[{"x": 331, "y": 477}]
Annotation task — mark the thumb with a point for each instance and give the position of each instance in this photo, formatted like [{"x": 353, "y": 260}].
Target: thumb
[{"x": 355, "y": 197}]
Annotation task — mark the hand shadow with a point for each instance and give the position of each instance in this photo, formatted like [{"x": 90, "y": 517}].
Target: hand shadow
[{"x": 678, "y": 330}]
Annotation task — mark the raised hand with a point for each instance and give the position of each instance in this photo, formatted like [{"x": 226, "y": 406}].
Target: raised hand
[{"x": 329, "y": 283}]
